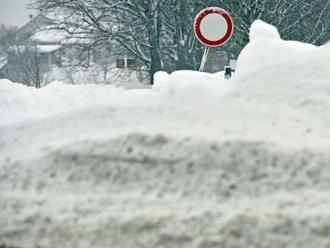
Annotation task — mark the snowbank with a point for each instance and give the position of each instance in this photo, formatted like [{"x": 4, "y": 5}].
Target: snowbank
[
  {"x": 19, "y": 102},
  {"x": 247, "y": 166},
  {"x": 268, "y": 58},
  {"x": 158, "y": 192},
  {"x": 267, "y": 64},
  {"x": 192, "y": 87}
]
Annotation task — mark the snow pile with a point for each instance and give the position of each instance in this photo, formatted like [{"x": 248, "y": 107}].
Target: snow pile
[
  {"x": 192, "y": 87},
  {"x": 247, "y": 166},
  {"x": 19, "y": 102},
  {"x": 160, "y": 192},
  {"x": 268, "y": 58},
  {"x": 262, "y": 31},
  {"x": 267, "y": 64}
]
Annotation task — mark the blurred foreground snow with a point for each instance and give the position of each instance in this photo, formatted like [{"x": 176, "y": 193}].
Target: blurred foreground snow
[{"x": 196, "y": 161}]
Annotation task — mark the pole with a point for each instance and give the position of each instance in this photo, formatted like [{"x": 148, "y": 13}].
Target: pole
[{"x": 206, "y": 53}]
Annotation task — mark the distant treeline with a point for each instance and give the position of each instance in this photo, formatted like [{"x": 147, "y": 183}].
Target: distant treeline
[{"x": 159, "y": 32}]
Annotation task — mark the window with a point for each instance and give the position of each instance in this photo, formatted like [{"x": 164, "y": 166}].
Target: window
[
  {"x": 120, "y": 63},
  {"x": 131, "y": 63},
  {"x": 126, "y": 63}
]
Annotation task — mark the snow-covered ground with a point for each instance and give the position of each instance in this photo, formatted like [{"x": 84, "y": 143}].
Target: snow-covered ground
[{"x": 197, "y": 161}]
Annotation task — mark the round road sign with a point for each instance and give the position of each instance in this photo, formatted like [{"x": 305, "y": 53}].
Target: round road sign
[{"x": 213, "y": 26}]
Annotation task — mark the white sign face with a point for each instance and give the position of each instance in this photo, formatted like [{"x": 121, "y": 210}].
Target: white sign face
[{"x": 214, "y": 27}]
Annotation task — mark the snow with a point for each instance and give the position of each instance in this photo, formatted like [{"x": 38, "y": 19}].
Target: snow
[
  {"x": 260, "y": 31},
  {"x": 39, "y": 48},
  {"x": 48, "y": 48},
  {"x": 197, "y": 161},
  {"x": 267, "y": 49},
  {"x": 49, "y": 36},
  {"x": 54, "y": 36},
  {"x": 19, "y": 102},
  {"x": 192, "y": 87}
]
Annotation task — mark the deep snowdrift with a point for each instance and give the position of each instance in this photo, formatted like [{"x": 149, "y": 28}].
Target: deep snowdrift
[
  {"x": 270, "y": 64},
  {"x": 267, "y": 64},
  {"x": 196, "y": 161}
]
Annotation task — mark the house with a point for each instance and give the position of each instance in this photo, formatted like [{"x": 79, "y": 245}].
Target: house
[
  {"x": 36, "y": 23},
  {"x": 39, "y": 48},
  {"x": 26, "y": 60}
]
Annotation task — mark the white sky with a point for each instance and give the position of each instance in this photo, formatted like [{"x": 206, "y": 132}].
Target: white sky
[{"x": 14, "y": 12}]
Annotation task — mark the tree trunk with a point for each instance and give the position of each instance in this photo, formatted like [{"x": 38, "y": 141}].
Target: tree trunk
[
  {"x": 37, "y": 70},
  {"x": 154, "y": 27}
]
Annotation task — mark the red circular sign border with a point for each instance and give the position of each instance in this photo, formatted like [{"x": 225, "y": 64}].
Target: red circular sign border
[{"x": 197, "y": 26}]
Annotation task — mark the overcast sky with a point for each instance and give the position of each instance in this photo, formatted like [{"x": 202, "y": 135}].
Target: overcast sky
[{"x": 14, "y": 12}]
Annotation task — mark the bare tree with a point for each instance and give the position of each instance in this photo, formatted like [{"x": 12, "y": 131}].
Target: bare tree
[
  {"x": 26, "y": 64},
  {"x": 303, "y": 20},
  {"x": 7, "y": 38},
  {"x": 135, "y": 25},
  {"x": 159, "y": 33}
]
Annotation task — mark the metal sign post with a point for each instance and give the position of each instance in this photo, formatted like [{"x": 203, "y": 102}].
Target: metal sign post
[{"x": 204, "y": 58}]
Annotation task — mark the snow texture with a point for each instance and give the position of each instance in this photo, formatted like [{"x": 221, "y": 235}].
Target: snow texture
[
  {"x": 50, "y": 36},
  {"x": 195, "y": 162}
]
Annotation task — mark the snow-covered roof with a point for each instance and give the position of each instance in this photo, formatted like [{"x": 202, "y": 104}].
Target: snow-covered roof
[
  {"x": 48, "y": 48},
  {"x": 39, "y": 48},
  {"x": 38, "y": 22},
  {"x": 58, "y": 17},
  {"x": 56, "y": 36},
  {"x": 49, "y": 36},
  {"x": 41, "y": 28}
]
